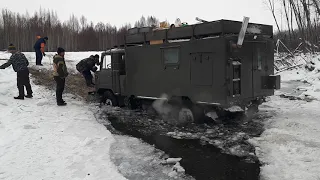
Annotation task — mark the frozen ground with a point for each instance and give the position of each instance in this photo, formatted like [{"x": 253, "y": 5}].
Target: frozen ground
[{"x": 289, "y": 148}]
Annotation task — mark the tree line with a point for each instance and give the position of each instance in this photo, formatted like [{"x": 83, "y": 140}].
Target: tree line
[
  {"x": 301, "y": 20},
  {"x": 75, "y": 34}
]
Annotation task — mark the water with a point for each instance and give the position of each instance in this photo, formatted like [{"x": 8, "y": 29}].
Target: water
[{"x": 200, "y": 161}]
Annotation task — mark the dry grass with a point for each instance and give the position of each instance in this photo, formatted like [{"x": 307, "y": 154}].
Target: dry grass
[{"x": 75, "y": 83}]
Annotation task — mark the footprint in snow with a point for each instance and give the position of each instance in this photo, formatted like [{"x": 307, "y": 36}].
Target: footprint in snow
[
  {"x": 29, "y": 127},
  {"x": 3, "y": 103},
  {"x": 42, "y": 103}
]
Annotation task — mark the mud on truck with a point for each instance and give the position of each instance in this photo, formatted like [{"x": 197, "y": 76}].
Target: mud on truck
[{"x": 218, "y": 66}]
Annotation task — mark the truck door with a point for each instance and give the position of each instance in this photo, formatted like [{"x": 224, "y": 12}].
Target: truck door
[
  {"x": 116, "y": 59},
  {"x": 103, "y": 78},
  {"x": 239, "y": 71},
  {"x": 201, "y": 68},
  {"x": 259, "y": 66}
]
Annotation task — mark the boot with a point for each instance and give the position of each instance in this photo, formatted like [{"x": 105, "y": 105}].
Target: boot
[
  {"x": 61, "y": 103},
  {"x": 29, "y": 96},
  {"x": 19, "y": 97}
]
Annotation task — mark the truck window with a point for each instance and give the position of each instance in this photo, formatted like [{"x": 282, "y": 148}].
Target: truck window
[
  {"x": 259, "y": 58},
  {"x": 106, "y": 64},
  {"x": 122, "y": 66},
  {"x": 171, "y": 55}
]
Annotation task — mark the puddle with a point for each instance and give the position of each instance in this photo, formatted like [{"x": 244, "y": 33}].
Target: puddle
[{"x": 293, "y": 88}]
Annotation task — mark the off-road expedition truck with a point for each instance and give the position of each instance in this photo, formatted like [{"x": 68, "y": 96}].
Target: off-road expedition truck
[{"x": 204, "y": 67}]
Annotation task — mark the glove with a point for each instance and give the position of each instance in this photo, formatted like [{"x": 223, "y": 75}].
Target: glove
[
  {"x": 44, "y": 54},
  {"x": 94, "y": 69}
]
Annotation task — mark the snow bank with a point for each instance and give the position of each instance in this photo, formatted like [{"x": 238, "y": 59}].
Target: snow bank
[
  {"x": 289, "y": 147},
  {"x": 39, "y": 140},
  {"x": 309, "y": 73},
  {"x": 72, "y": 58}
]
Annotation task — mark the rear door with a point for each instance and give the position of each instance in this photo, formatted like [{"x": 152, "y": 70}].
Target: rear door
[
  {"x": 240, "y": 71},
  {"x": 259, "y": 66}
]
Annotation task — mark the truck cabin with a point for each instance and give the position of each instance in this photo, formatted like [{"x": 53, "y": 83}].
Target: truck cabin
[{"x": 113, "y": 60}]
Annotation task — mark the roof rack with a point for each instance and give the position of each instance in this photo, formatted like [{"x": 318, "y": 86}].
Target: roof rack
[{"x": 197, "y": 31}]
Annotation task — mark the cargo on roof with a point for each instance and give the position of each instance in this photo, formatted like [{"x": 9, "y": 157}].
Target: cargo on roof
[{"x": 196, "y": 31}]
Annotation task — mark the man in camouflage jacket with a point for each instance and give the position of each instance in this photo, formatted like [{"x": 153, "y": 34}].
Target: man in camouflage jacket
[
  {"x": 87, "y": 65},
  {"x": 20, "y": 65},
  {"x": 60, "y": 73}
]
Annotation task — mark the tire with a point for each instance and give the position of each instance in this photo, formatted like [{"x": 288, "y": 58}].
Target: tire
[
  {"x": 198, "y": 114},
  {"x": 110, "y": 99},
  {"x": 130, "y": 102},
  {"x": 185, "y": 116}
]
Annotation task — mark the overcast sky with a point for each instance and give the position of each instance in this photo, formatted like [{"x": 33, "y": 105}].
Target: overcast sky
[{"x": 123, "y": 11}]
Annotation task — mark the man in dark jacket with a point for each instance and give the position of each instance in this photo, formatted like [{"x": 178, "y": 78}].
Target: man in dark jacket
[
  {"x": 39, "y": 49},
  {"x": 20, "y": 65},
  {"x": 87, "y": 65},
  {"x": 60, "y": 73}
]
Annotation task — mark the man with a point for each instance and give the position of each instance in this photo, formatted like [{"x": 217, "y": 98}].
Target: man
[
  {"x": 20, "y": 65},
  {"x": 39, "y": 49},
  {"x": 60, "y": 73},
  {"x": 87, "y": 65}
]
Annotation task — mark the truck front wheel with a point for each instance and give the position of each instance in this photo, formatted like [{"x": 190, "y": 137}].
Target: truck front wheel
[{"x": 110, "y": 99}]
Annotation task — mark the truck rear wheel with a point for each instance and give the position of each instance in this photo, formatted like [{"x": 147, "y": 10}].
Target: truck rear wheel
[
  {"x": 110, "y": 99},
  {"x": 185, "y": 115}
]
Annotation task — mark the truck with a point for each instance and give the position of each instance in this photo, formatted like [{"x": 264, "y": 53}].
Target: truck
[{"x": 216, "y": 66}]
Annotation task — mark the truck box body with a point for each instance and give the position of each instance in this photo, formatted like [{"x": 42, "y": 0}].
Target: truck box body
[{"x": 200, "y": 62}]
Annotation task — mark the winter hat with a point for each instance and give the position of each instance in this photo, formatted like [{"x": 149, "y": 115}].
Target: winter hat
[
  {"x": 60, "y": 50},
  {"x": 11, "y": 47},
  {"x": 96, "y": 56}
]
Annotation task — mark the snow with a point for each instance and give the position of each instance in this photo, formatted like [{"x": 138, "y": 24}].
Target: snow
[
  {"x": 39, "y": 140},
  {"x": 289, "y": 148},
  {"x": 290, "y": 145},
  {"x": 71, "y": 58},
  {"x": 254, "y": 29},
  {"x": 310, "y": 77}
]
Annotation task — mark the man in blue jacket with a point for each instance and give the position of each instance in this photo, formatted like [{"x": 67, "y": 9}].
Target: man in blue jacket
[
  {"x": 39, "y": 49},
  {"x": 20, "y": 65}
]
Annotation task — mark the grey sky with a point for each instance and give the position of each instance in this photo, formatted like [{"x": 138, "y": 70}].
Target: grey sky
[{"x": 120, "y": 12}]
